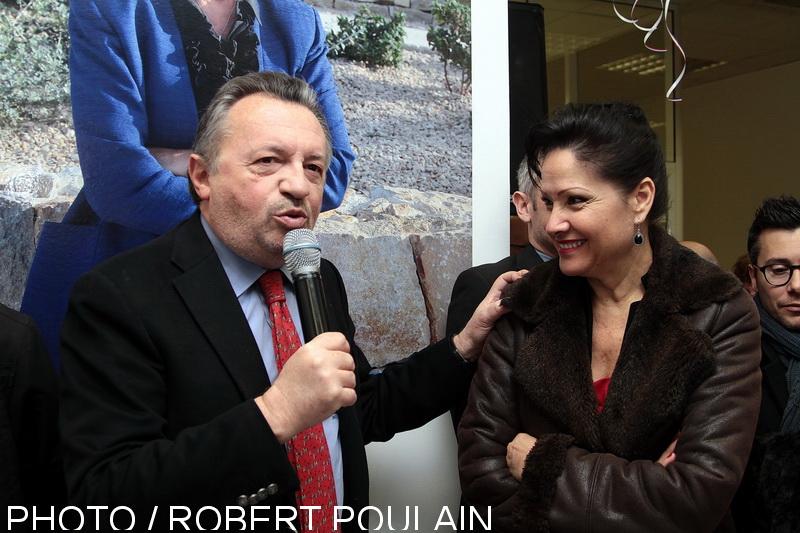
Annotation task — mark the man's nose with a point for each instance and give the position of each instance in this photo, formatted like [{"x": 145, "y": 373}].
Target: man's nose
[
  {"x": 794, "y": 280},
  {"x": 294, "y": 181}
]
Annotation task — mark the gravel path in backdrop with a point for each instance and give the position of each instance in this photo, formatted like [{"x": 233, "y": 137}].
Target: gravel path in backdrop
[{"x": 405, "y": 127}]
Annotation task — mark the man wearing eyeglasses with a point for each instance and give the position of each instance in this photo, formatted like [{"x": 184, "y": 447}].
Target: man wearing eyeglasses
[{"x": 773, "y": 244}]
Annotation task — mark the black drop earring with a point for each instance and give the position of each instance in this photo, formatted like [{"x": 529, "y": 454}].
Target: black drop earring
[{"x": 638, "y": 239}]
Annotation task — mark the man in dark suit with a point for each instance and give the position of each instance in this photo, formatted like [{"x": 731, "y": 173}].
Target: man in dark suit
[
  {"x": 473, "y": 284},
  {"x": 767, "y": 499},
  {"x": 29, "y": 450},
  {"x": 171, "y": 391}
]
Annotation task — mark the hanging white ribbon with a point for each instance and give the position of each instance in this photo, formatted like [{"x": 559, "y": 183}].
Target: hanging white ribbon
[{"x": 663, "y": 14}]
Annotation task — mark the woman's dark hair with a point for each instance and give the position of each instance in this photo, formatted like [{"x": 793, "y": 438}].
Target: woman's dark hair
[{"x": 614, "y": 137}]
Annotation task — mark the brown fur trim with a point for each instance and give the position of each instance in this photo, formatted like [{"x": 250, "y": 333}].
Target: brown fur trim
[
  {"x": 774, "y": 503},
  {"x": 543, "y": 466}
]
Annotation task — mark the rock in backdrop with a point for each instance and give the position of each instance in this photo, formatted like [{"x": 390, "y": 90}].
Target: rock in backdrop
[{"x": 399, "y": 251}]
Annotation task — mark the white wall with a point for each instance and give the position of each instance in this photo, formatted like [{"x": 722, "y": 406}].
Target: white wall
[
  {"x": 418, "y": 469},
  {"x": 740, "y": 145}
]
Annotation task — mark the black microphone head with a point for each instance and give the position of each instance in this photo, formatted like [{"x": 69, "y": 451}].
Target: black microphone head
[{"x": 301, "y": 251}]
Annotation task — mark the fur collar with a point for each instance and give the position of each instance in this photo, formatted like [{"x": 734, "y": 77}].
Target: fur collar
[{"x": 662, "y": 360}]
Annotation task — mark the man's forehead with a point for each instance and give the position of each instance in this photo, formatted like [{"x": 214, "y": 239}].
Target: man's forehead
[
  {"x": 266, "y": 111},
  {"x": 265, "y": 103},
  {"x": 780, "y": 243}
]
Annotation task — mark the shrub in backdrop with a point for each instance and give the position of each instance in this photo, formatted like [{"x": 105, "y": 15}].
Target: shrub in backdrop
[
  {"x": 34, "y": 46},
  {"x": 369, "y": 37},
  {"x": 453, "y": 41}
]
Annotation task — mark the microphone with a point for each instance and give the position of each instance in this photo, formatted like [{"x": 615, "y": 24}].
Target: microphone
[{"x": 302, "y": 255}]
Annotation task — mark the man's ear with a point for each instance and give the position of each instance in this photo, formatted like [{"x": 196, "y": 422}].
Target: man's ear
[
  {"x": 199, "y": 175},
  {"x": 523, "y": 203},
  {"x": 751, "y": 269}
]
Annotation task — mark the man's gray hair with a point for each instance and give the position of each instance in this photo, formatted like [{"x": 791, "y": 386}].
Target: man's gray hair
[
  {"x": 213, "y": 125},
  {"x": 524, "y": 181}
]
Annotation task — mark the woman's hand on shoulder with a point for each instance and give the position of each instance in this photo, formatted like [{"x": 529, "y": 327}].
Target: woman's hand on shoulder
[{"x": 517, "y": 452}]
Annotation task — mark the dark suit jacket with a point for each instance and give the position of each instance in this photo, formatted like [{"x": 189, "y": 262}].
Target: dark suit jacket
[
  {"x": 159, "y": 372},
  {"x": 30, "y": 466},
  {"x": 774, "y": 466},
  {"x": 471, "y": 288},
  {"x": 774, "y": 390},
  {"x": 472, "y": 285}
]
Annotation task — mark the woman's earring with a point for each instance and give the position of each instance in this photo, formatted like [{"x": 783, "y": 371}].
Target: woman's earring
[{"x": 638, "y": 239}]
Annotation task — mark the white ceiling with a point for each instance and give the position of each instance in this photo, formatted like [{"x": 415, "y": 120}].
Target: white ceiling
[{"x": 739, "y": 36}]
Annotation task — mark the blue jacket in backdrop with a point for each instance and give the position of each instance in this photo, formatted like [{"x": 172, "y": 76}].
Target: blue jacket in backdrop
[{"x": 131, "y": 90}]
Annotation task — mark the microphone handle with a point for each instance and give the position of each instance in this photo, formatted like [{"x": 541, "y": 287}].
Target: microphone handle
[{"x": 312, "y": 304}]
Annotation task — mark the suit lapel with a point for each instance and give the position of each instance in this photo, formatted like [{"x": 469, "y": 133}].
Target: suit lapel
[
  {"x": 356, "y": 475},
  {"x": 773, "y": 372},
  {"x": 207, "y": 294}
]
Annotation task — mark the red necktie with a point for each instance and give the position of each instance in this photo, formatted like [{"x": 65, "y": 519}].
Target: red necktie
[{"x": 308, "y": 450}]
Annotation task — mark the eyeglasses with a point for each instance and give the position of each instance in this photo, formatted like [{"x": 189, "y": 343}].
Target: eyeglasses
[{"x": 778, "y": 275}]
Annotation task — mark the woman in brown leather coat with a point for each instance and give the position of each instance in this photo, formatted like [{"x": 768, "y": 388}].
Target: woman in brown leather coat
[{"x": 622, "y": 392}]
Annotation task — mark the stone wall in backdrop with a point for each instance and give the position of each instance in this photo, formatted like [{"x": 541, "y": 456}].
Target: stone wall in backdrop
[
  {"x": 423, "y": 6},
  {"x": 29, "y": 197},
  {"x": 399, "y": 252}
]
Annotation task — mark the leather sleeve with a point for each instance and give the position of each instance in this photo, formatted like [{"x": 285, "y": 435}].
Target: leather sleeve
[
  {"x": 489, "y": 423},
  {"x": 602, "y": 492}
]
